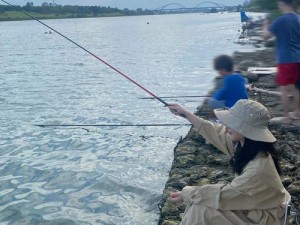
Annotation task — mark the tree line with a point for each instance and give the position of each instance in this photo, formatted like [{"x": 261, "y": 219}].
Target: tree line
[
  {"x": 76, "y": 11},
  {"x": 269, "y": 6}
]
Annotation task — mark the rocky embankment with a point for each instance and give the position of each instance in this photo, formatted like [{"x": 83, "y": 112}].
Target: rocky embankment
[{"x": 198, "y": 163}]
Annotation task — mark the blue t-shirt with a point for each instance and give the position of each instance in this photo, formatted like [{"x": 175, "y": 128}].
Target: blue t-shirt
[
  {"x": 234, "y": 89},
  {"x": 244, "y": 17},
  {"x": 287, "y": 31}
]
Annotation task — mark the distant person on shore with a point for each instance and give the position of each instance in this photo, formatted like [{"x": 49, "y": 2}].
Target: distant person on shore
[
  {"x": 286, "y": 29},
  {"x": 234, "y": 85},
  {"x": 247, "y": 22},
  {"x": 244, "y": 17},
  {"x": 256, "y": 194},
  {"x": 247, "y": 26}
]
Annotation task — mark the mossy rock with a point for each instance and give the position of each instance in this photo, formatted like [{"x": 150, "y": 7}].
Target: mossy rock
[
  {"x": 185, "y": 149},
  {"x": 170, "y": 222},
  {"x": 169, "y": 209},
  {"x": 184, "y": 161},
  {"x": 199, "y": 170},
  {"x": 203, "y": 181}
]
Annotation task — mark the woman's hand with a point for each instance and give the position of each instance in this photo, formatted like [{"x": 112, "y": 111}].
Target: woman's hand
[
  {"x": 176, "y": 197},
  {"x": 178, "y": 110}
]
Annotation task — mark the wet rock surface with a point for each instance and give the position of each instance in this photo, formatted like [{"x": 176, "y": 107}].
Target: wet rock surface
[{"x": 198, "y": 163}]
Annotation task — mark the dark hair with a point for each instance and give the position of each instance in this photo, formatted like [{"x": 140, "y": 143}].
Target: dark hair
[
  {"x": 288, "y": 2},
  {"x": 243, "y": 155},
  {"x": 223, "y": 62}
]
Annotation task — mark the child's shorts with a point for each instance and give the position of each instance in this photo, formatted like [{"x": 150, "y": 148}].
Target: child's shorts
[{"x": 288, "y": 74}]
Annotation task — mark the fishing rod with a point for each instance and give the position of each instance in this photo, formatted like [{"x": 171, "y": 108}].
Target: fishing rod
[
  {"x": 89, "y": 52},
  {"x": 111, "y": 125},
  {"x": 173, "y": 97}
]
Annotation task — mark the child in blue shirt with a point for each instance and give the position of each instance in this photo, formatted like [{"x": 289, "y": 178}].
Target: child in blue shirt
[{"x": 234, "y": 87}]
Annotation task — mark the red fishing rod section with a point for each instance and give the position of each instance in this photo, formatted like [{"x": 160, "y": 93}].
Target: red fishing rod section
[{"x": 89, "y": 52}]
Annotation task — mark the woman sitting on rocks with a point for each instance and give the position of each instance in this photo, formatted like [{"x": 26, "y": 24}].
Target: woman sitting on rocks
[{"x": 256, "y": 194}]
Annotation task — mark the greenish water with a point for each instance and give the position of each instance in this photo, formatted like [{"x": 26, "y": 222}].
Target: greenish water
[{"x": 107, "y": 175}]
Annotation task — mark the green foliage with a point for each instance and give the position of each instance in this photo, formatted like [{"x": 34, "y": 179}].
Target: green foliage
[
  {"x": 53, "y": 11},
  {"x": 269, "y": 6}
]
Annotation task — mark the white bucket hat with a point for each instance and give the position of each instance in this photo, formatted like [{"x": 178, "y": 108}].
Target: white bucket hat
[{"x": 249, "y": 118}]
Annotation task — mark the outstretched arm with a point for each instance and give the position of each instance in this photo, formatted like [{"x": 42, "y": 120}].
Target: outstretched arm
[
  {"x": 180, "y": 111},
  {"x": 214, "y": 133}
]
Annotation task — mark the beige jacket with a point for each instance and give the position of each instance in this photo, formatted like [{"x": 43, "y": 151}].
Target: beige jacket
[{"x": 254, "y": 197}]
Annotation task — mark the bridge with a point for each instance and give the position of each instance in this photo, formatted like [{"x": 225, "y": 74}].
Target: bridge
[{"x": 204, "y": 7}]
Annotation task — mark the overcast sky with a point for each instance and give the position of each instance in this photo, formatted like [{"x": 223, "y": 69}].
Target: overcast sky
[{"x": 132, "y": 4}]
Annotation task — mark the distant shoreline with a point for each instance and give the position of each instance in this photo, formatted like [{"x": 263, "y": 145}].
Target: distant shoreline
[
  {"x": 16, "y": 16},
  {"x": 54, "y": 11}
]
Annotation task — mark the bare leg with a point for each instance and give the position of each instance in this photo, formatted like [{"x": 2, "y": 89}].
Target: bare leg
[
  {"x": 285, "y": 99},
  {"x": 285, "y": 90},
  {"x": 296, "y": 94}
]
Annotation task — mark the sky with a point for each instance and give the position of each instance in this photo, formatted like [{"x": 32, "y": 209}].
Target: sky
[{"x": 131, "y": 4}]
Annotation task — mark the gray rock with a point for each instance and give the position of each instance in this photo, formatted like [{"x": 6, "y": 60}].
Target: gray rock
[{"x": 287, "y": 182}]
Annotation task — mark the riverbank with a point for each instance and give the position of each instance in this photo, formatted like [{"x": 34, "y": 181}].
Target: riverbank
[
  {"x": 197, "y": 163},
  {"x": 18, "y": 16}
]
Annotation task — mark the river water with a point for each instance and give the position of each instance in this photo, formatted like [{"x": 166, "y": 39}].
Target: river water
[{"x": 107, "y": 175}]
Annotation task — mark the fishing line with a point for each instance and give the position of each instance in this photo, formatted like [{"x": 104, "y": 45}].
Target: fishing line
[
  {"x": 89, "y": 52},
  {"x": 111, "y": 125},
  {"x": 174, "y": 97}
]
